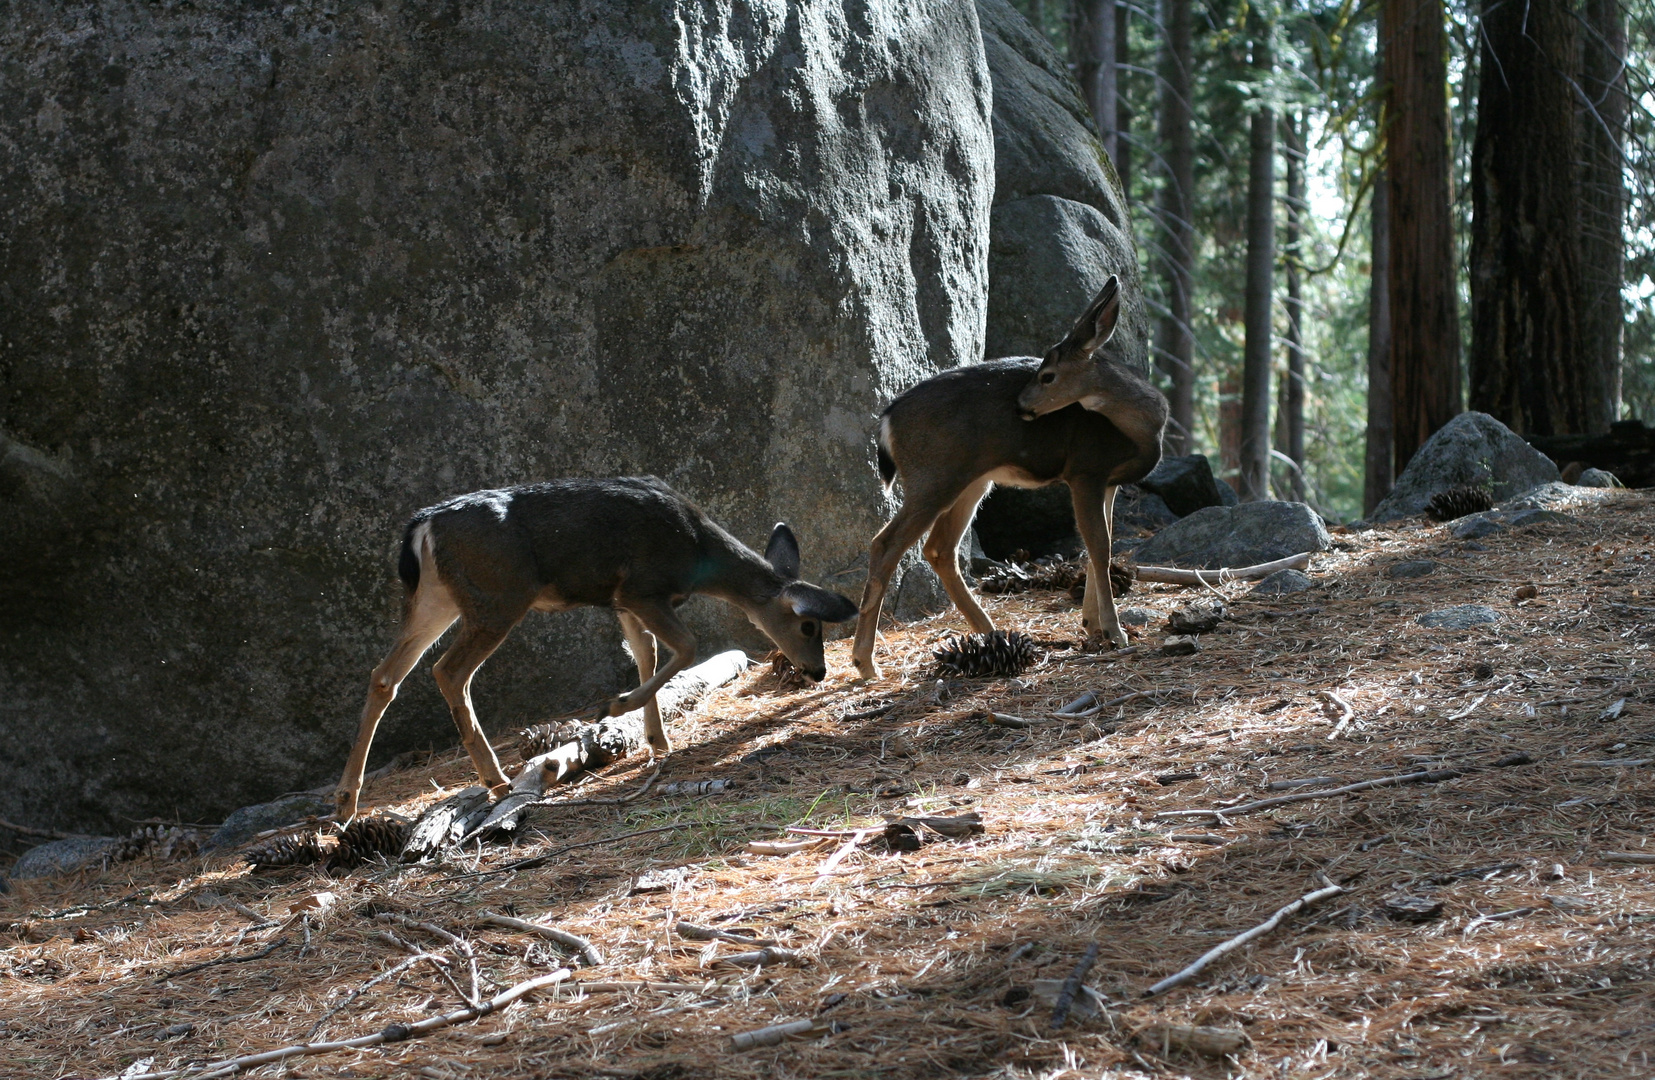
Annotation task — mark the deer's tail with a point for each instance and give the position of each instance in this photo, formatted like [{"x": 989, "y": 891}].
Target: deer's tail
[
  {"x": 408, "y": 559},
  {"x": 882, "y": 449}
]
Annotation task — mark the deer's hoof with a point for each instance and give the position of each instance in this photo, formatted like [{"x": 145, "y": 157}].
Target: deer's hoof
[
  {"x": 345, "y": 804},
  {"x": 867, "y": 671},
  {"x": 659, "y": 744}
]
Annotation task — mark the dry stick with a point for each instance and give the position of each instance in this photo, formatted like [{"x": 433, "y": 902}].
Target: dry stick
[
  {"x": 851, "y": 843},
  {"x": 193, "y": 968},
  {"x": 1241, "y": 939},
  {"x": 588, "y": 952},
  {"x": 542, "y": 860},
  {"x": 390, "y": 973},
  {"x": 636, "y": 985},
  {"x": 48, "y": 834},
  {"x": 459, "y": 943},
  {"x": 1072, "y": 985},
  {"x": 393, "y": 1033},
  {"x": 1628, "y": 857},
  {"x": 1499, "y": 916},
  {"x": 1170, "y": 575},
  {"x": 622, "y": 800},
  {"x": 775, "y": 1035},
  {"x": 692, "y": 932},
  {"x": 1611, "y": 763},
  {"x": 1345, "y": 710},
  {"x": 1429, "y": 776}
]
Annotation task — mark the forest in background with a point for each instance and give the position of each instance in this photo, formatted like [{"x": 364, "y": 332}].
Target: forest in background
[{"x": 1294, "y": 104}]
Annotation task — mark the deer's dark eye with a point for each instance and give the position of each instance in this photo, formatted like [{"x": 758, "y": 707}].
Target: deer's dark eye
[
  {"x": 1048, "y": 377},
  {"x": 808, "y": 629}
]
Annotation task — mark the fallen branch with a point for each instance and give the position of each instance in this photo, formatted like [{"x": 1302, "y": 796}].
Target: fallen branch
[
  {"x": 1171, "y": 575},
  {"x": 542, "y": 860},
  {"x": 1627, "y": 857},
  {"x": 249, "y": 958},
  {"x": 693, "y": 932},
  {"x": 1346, "y": 712},
  {"x": 764, "y": 957},
  {"x": 1006, "y": 720},
  {"x": 44, "y": 834},
  {"x": 459, "y": 944},
  {"x": 390, "y": 973},
  {"x": 1499, "y": 916},
  {"x": 1215, "y": 1042},
  {"x": 1613, "y": 763},
  {"x": 1429, "y": 776},
  {"x": 393, "y": 1033},
  {"x": 1241, "y": 939},
  {"x": 1112, "y": 703},
  {"x": 776, "y": 1034},
  {"x": 1072, "y": 985},
  {"x": 628, "y": 987},
  {"x": 588, "y": 952},
  {"x": 784, "y": 847}
]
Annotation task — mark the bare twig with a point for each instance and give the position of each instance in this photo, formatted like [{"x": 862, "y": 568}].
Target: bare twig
[
  {"x": 1499, "y": 916},
  {"x": 707, "y": 933},
  {"x": 1345, "y": 712},
  {"x": 460, "y": 945},
  {"x": 1628, "y": 856},
  {"x": 1426, "y": 777},
  {"x": 393, "y": 1033},
  {"x": 764, "y": 957},
  {"x": 542, "y": 860},
  {"x": 775, "y": 1034},
  {"x": 588, "y": 952},
  {"x": 249, "y": 958},
  {"x": 1241, "y": 939},
  {"x": 389, "y": 973},
  {"x": 45, "y": 834},
  {"x": 1171, "y": 575},
  {"x": 1072, "y": 985}
]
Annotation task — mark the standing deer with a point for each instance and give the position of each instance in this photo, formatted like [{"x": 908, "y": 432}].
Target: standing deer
[
  {"x": 633, "y": 544},
  {"x": 1090, "y": 423}
]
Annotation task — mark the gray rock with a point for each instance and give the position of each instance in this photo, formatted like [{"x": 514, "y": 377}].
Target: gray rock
[
  {"x": 919, "y": 594},
  {"x": 1459, "y": 617},
  {"x": 1187, "y": 484},
  {"x": 1059, "y": 223},
  {"x": 1519, "y": 518},
  {"x": 1555, "y": 496},
  {"x": 1135, "y": 509},
  {"x": 63, "y": 857},
  {"x": 1227, "y": 495},
  {"x": 1135, "y": 616},
  {"x": 244, "y": 824},
  {"x": 1412, "y": 568},
  {"x": 287, "y": 273},
  {"x": 1040, "y": 521},
  {"x": 1234, "y": 536},
  {"x": 1283, "y": 582},
  {"x": 1598, "y": 478},
  {"x": 1472, "y": 448},
  {"x": 1475, "y": 526}
]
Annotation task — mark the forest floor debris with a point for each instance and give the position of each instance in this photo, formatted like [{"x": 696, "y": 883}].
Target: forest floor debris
[{"x": 1492, "y": 917}]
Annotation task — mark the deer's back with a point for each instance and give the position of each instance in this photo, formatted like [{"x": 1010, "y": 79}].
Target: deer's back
[
  {"x": 579, "y": 538},
  {"x": 968, "y": 417}
]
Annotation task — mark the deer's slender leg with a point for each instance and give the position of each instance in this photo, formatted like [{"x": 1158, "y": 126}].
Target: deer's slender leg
[
  {"x": 427, "y": 613},
  {"x": 899, "y": 534},
  {"x": 643, "y": 654},
  {"x": 942, "y": 551},
  {"x": 659, "y": 620},
  {"x": 1094, "y": 508},
  {"x": 476, "y": 642}
]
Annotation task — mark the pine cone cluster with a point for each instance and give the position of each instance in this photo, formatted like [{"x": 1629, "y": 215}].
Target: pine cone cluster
[
  {"x": 1065, "y": 575},
  {"x": 289, "y": 849},
  {"x": 369, "y": 838},
  {"x": 986, "y": 655},
  {"x": 1457, "y": 502},
  {"x": 788, "y": 677},
  {"x": 544, "y": 738},
  {"x": 164, "y": 842}
]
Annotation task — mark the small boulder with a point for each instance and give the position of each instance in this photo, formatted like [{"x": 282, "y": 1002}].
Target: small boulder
[
  {"x": 1412, "y": 568},
  {"x": 1598, "y": 478},
  {"x": 1538, "y": 516},
  {"x": 1476, "y": 526},
  {"x": 63, "y": 856},
  {"x": 1136, "y": 508},
  {"x": 919, "y": 594},
  {"x": 1198, "y": 618},
  {"x": 1472, "y": 448},
  {"x": 249, "y": 821},
  {"x": 1283, "y": 582},
  {"x": 1135, "y": 616},
  {"x": 1459, "y": 617},
  {"x": 1235, "y": 536},
  {"x": 1186, "y": 483}
]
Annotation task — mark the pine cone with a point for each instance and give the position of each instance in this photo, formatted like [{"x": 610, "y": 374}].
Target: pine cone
[
  {"x": 788, "y": 677},
  {"x": 1121, "y": 577},
  {"x": 293, "y": 849},
  {"x": 368, "y": 838},
  {"x": 984, "y": 656},
  {"x": 1457, "y": 502}
]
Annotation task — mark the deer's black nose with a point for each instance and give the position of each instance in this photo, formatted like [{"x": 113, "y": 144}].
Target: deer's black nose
[{"x": 1027, "y": 414}]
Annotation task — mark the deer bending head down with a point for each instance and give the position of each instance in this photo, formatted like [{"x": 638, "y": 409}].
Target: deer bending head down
[
  {"x": 633, "y": 544},
  {"x": 1071, "y": 416}
]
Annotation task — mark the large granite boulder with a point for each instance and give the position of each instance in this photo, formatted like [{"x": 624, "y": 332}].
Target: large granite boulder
[
  {"x": 275, "y": 276},
  {"x": 1236, "y": 536},
  {"x": 1060, "y": 225},
  {"x": 1187, "y": 484},
  {"x": 1472, "y": 448}
]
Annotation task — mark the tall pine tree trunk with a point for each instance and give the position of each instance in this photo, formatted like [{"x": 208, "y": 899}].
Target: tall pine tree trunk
[
  {"x": 1377, "y": 471},
  {"x": 1122, "y": 152},
  {"x": 1425, "y": 329},
  {"x": 1261, "y": 257},
  {"x": 1527, "y": 366},
  {"x": 1097, "y": 25},
  {"x": 1174, "y": 340},
  {"x": 1603, "y": 192},
  {"x": 1291, "y": 419}
]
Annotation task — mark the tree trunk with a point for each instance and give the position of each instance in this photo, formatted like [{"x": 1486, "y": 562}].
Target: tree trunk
[
  {"x": 1099, "y": 22},
  {"x": 1261, "y": 257},
  {"x": 1174, "y": 340},
  {"x": 1122, "y": 152},
  {"x": 1527, "y": 367},
  {"x": 1603, "y": 193},
  {"x": 1378, "y": 475},
  {"x": 1292, "y": 394},
  {"x": 1425, "y": 329}
]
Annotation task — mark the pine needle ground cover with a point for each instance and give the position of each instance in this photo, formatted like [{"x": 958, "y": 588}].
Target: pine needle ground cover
[{"x": 1495, "y": 918}]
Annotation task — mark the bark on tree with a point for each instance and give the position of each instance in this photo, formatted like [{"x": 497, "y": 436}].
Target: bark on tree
[
  {"x": 1122, "y": 152},
  {"x": 1099, "y": 21},
  {"x": 1174, "y": 341},
  {"x": 1290, "y": 409},
  {"x": 1378, "y": 474},
  {"x": 1261, "y": 257},
  {"x": 1425, "y": 329},
  {"x": 1603, "y": 191},
  {"x": 1527, "y": 366}
]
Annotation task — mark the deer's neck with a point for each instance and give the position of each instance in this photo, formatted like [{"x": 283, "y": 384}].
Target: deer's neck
[
  {"x": 1132, "y": 405},
  {"x": 731, "y": 571}
]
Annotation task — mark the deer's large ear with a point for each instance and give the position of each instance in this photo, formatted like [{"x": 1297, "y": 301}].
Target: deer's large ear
[
  {"x": 782, "y": 552},
  {"x": 814, "y": 602},
  {"x": 1097, "y": 325}
]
